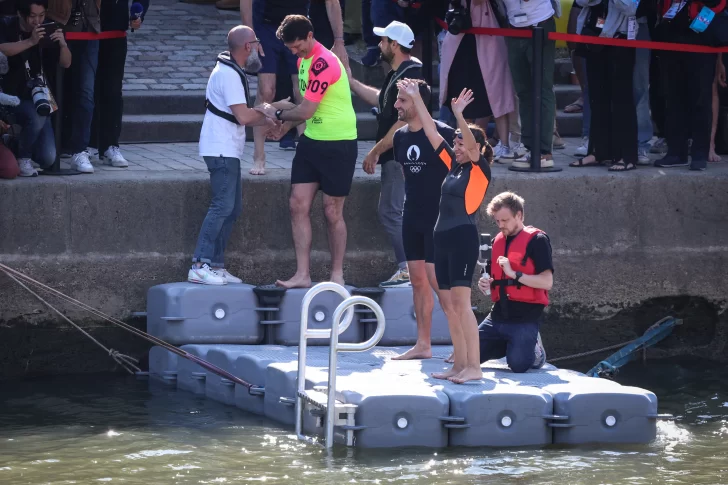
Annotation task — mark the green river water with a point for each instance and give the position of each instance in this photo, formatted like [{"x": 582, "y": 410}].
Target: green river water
[{"x": 116, "y": 429}]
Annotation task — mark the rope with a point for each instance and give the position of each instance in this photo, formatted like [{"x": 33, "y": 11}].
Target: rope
[
  {"x": 125, "y": 361},
  {"x": 175, "y": 350},
  {"x": 591, "y": 352}
]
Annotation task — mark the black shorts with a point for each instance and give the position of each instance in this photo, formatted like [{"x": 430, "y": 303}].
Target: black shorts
[
  {"x": 417, "y": 240},
  {"x": 330, "y": 164},
  {"x": 456, "y": 255}
]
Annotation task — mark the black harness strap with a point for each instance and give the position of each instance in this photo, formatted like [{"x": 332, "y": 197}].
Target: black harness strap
[{"x": 224, "y": 57}]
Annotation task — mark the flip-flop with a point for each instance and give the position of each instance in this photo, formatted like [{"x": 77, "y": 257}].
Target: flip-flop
[
  {"x": 574, "y": 108},
  {"x": 625, "y": 167},
  {"x": 580, "y": 163}
]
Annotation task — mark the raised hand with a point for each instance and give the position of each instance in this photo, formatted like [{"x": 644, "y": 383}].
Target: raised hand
[
  {"x": 459, "y": 104},
  {"x": 409, "y": 88}
]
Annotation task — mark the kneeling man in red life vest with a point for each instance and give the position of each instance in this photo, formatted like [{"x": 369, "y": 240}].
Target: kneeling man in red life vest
[{"x": 522, "y": 277}]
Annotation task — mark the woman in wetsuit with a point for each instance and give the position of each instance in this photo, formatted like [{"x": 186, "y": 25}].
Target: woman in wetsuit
[{"x": 456, "y": 237}]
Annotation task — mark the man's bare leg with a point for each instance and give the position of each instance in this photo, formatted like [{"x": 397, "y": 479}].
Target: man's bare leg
[
  {"x": 461, "y": 301},
  {"x": 266, "y": 93},
  {"x": 424, "y": 303},
  {"x": 334, "y": 213},
  {"x": 297, "y": 98},
  {"x": 302, "y": 196}
]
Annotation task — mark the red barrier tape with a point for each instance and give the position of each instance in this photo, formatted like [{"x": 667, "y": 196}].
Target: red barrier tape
[
  {"x": 587, "y": 39},
  {"x": 112, "y": 34}
]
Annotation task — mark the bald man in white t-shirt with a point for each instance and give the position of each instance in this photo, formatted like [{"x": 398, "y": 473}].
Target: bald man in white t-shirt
[{"x": 222, "y": 140}]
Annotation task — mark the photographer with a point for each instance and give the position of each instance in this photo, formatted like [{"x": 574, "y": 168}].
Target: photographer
[{"x": 27, "y": 43}]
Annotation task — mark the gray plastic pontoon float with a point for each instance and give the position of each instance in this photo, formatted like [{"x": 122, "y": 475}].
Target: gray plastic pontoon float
[{"x": 370, "y": 400}]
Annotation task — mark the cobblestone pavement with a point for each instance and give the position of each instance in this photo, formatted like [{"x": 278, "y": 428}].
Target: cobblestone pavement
[
  {"x": 182, "y": 157},
  {"x": 177, "y": 46}
]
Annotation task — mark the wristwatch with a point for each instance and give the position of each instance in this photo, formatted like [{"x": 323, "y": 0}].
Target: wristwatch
[
  {"x": 518, "y": 276},
  {"x": 278, "y": 114}
]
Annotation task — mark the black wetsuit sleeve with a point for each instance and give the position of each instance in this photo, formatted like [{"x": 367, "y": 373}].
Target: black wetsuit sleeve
[{"x": 485, "y": 167}]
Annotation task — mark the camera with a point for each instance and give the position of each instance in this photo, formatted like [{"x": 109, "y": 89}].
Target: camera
[
  {"x": 40, "y": 99},
  {"x": 458, "y": 18}
]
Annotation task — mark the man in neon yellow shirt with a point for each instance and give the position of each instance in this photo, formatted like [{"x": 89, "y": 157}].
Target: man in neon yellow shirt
[{"x": 327, "y": 151}]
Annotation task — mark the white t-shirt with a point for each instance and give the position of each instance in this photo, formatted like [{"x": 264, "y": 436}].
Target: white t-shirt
[
  {"x": 220, "y": 137},
  {"x": 536, "y": 11}
]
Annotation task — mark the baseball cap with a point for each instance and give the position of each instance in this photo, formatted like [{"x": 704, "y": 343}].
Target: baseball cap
[{"x": 397, "y": 31}]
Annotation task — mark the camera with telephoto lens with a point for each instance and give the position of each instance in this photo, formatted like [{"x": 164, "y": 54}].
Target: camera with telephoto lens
[
  {"x": 40, "y": 99},
  {"x": 458, "y": 18}
]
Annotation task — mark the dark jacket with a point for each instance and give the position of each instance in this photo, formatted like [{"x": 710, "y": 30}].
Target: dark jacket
[{"x": 115, "y": 14}]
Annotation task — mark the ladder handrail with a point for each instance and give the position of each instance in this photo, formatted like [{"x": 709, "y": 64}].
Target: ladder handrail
[
  {"x": 306, "y": 333},
  {"x": 335, "y": 347}
]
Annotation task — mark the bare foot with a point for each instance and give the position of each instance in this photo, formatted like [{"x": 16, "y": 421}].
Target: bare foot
[
  {"x": 258, "y": 168},
  {"x": 448, "y": 374},
  {"x": 338, "y": 279},
  {"x": 469, "y": 374},
  {"x": 295, "y": 282},
  {"x": 451, "y": 359},
  {"x": 414, "y": 353},
  {"x": 713, "y": 157}
]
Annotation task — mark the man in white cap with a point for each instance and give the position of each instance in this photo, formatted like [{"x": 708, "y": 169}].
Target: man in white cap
[{"x": 396, "y": 43}]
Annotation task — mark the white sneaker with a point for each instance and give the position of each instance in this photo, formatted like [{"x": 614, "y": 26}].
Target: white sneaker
[
  {"x": 525, "y": 162},
  {"x": 400, "y": 279},
  {"x": 502, "y": 151},
  {"x": 583, "y": 148},
  {"x": 227, "y": 276},
  {"x": 26, "y": 168},
  {"x": 205, "y": 275},
  {"x": 642, "y": 157},
  {"x": 81, "y": 163},
  {"x": 112, "y": 156},
  {"x": 539, "y": 358}
]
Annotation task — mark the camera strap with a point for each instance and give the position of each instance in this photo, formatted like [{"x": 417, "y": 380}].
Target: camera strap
[{"x": 224, "y": 57}]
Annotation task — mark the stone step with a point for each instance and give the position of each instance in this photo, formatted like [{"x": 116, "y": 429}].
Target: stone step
[
  {"x": 193, "y": 102},
  {"x": 569, "y": 124},
  {"x": 179, "y": 128}
]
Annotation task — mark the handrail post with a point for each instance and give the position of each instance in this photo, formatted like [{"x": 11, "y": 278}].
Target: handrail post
[
  {"x": 334, "y": 348},
  {"x": 305, "y": 334}
]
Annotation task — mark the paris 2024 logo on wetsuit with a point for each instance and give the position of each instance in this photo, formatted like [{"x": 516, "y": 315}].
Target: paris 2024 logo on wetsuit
[{"x": 413, "y": 159}]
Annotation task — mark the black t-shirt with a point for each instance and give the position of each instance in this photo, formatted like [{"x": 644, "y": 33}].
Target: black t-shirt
[
  {"x": 423, "y": 173},
  {"x": 508, "y": 311},
  {"x": 15, "y": 81},
  {"x": 462, "y": 191},
  {"x": 388, "y": 96},
  {"x": 274, "y": 11}
]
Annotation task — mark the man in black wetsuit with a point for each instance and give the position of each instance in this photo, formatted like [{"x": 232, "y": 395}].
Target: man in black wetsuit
[
  {"x": 424, "y": 172},
  {"x": 523, "y": 274}
]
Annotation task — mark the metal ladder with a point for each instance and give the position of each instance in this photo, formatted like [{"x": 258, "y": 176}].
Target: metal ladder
[{"x": 325, "y": 402}]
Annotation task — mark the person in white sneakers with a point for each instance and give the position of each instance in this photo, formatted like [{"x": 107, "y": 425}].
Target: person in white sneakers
[
  {"x": 222, "y": 140},
  {"x": 21, "y": 39}
]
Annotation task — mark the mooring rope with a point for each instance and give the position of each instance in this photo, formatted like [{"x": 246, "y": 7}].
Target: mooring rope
[
  {"x": 590, "y": 352},
  {"x": 114, "y": 354},
  {"x": 125, "y": 361}
]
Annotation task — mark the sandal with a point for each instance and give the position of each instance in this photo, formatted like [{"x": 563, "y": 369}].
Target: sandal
[
  {"x": 580, "y": 163},
  {"x": 622, "y": 167},
  {"x": 575, "y": 107}
]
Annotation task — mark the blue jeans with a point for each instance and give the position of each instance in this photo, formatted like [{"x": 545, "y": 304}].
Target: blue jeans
[
  {"x": 36, "y": 140},
  {"x": 226, "y": 205},
  {"x": 80, "y": 106},
  {"x": 641, "y": 89},
  {"x": 586, "y": 106},
  {"x": 514, "y": 341}
]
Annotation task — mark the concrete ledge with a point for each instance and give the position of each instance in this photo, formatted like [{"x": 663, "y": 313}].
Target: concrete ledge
[{"x": 628, "y": 250}]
